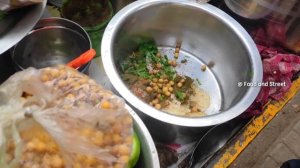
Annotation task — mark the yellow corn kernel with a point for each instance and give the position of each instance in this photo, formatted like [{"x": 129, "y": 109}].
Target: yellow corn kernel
[{"x": 105, "y": 105}]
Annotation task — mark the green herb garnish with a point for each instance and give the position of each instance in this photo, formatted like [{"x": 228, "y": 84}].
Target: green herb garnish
[
  {"x": 198, "y": 81},
  {"x": 180, "y": 95},
  {"x": 141, "y": 61}
]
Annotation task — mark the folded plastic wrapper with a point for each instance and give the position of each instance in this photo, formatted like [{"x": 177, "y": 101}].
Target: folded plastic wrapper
[
  {"x": 8, "y": 5},
  {"x": 82, "y": 118}
]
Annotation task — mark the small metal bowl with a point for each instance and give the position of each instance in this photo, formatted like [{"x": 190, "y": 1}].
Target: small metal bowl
[{"x": 52, "y": 41}]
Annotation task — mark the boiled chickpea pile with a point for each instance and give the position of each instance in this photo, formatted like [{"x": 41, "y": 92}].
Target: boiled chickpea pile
[{"x": 75, "y": 90}]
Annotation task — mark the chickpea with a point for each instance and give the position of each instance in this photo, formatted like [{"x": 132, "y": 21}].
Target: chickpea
[
  {"x": 151, "y": 104},
  {"x": 171, "y": 83},
  {"x": 123, "y": 150},
  {"x": 117, "y": 138},
  {"x": 44, "y": 78},
  {"x": 86, "y": 132},
  {"x": 30, "y": 146},
  {"x": 90, "y": 160},
  {"x": 77, "y": 165},
  {"x": 160, "y": 80},
  {"x": 56, "y": 161},
  {"x": 155, "y": 101},
  {"x": 166, "y": 81},
  {"x": 179, "y": 84},
  {"x": 149, "y": 89},
  {"x": 127, "y": 120},
  {"x": 170, "y": 62},
  {"x": 155, "y": 80},
  {"x": 117, "y": 128},
  {"x": 182, "y": 80},
  {"x": 70, "y": 96},
  {"x": 40, "y": 147},
  {"x": 98, "y": 141},
  {"x": 159, "y": 91},
  {"x": 151, "y": 72},
  {"x": 203, "y": 67},
  {"x": 177, "y": 50},
  {"x": 54, "y": 73},
  {"x": 35, "y": 166},
  {"x": 158, "y": 106},
  {"x": 158, "y": 96},
  {"x": 129, "y": 140},
  {"x": 118, "y": 165},
  {"x": 176, "y": 55},
  {"x": 160, "y": 85},
  {"x": 168, "y": 93},
  {"x": 105, "y": 105},
  {"x": 155, "y": 71},
  {"x": 194, "y": 109},
  {"x": 165, "y": 89},
  {"x": 170, "y": 89},
  {"x": 124, "y": 158},
  {"x": 158, "y": 55},
  {"x": 158, "y": 65}
]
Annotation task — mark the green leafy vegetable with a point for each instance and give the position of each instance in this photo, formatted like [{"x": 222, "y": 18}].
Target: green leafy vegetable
[
  {"x": 180, "y": 95},
  {"x": 145, "y": 58}
]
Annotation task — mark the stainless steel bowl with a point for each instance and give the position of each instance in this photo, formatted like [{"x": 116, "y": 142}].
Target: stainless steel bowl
[
  {"x": 52, "y": 41},
  {"x": 148, "y": 157},
  {"x": 251, "y": 9},
  {"x": 17, "y": 24},
  {"x": 209, "y": 36}
]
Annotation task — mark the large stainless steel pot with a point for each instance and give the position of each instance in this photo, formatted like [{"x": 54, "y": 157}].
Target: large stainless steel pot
[{"x": 210, "y": 37}]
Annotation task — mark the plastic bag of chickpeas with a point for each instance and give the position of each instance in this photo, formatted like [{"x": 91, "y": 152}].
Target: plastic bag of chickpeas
[{"x": 59, "y": 118}]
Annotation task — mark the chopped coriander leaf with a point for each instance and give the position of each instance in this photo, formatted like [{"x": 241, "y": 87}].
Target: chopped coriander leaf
[
  {"x": 162, "y": 97},
  {"x": 180, "y": 95},
  {"x": 198, "y": 81}
]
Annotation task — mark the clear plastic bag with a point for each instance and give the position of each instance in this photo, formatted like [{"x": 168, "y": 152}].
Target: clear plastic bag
[{"x": 57, "y": 117}]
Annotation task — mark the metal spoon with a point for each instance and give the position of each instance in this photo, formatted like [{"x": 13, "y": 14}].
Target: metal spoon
[{"x": 213, "y": 141}]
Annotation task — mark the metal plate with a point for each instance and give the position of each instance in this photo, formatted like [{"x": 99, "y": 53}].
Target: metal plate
[{"x": 17, "y": 24}]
